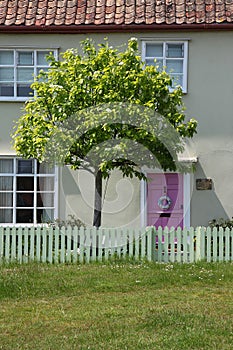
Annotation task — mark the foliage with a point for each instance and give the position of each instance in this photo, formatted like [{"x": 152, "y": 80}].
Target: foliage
[
  {"x": 99, "y": 77},
  {"x": 71, "y": 221},
  {"x": 225, "y": 223},
  {"x": 103, "y": 109}
]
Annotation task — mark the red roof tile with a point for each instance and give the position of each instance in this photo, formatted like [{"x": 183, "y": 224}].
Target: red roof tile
[{"x": 84, "y": 13}]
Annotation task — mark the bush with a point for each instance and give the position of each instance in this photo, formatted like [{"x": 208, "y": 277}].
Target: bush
[
  {"x": 221, "y": 223},
  {"x": 70, "y": 221}
]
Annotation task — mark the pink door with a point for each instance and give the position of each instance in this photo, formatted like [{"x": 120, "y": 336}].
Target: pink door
[{"x": 165, "y": 200}]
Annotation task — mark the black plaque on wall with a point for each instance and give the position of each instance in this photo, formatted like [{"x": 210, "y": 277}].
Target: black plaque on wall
[{"x": 203, "y": 184}]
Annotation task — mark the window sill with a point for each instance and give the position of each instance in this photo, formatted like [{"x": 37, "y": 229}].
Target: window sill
[{"x": 14, "y": 99}]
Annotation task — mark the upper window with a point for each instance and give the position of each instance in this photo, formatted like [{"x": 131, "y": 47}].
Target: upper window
[
  {"x": 17, "y": 71},
  {"x": 169, "y": 56},
  {"x": 27, "y": 191}
]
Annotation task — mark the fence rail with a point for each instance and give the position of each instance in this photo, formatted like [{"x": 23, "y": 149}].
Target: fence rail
[{"x": 72, "y": 245}]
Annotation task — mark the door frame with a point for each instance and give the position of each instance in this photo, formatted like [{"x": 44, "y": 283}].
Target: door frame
[{"x": 186, "y": 198}]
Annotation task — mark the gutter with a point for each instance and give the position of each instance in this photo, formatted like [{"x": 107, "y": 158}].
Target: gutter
[{"x": 112, "y": 28}]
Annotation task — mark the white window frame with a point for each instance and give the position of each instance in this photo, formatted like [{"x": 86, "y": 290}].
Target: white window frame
[
  {"x": 14, "y": 192},
  {"x": 165, "y": 43},
  {"x": 35, "y": 66}
]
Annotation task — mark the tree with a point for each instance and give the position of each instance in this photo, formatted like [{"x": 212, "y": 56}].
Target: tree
[{"x": 104, "y": 96}]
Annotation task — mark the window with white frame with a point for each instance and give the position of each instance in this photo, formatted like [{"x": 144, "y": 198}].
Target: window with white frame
[
  {"x": 27, "y": 191},
  {"x": 171, "y": 56},
  {"x": 18, "y": 68}
]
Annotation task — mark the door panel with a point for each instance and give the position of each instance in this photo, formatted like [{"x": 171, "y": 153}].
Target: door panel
[{"x": 170, "y": 185}]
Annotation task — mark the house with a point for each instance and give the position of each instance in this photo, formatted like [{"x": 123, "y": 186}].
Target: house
[{"x": 192, "y": 37}]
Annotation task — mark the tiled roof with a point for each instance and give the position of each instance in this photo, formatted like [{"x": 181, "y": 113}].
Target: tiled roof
[{"x": 56, "y": 13}]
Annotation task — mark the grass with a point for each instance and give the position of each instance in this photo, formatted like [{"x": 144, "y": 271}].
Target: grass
[{"x": 116, "y": 306}]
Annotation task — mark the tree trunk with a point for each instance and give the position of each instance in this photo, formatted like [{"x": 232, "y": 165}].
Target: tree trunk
[{"x": 98, "y": 199}]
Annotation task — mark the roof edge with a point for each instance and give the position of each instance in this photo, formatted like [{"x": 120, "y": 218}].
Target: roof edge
[{"x": 113, "y": 28}]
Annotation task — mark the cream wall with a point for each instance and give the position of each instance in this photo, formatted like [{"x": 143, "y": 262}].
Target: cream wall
[{"x": 209, "y": 100}]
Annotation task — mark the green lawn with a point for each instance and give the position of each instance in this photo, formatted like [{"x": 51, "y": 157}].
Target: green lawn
[{"x": 116, "y": 306}]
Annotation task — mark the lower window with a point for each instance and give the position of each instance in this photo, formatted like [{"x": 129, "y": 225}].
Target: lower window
[{"x": 27, "y": 190}]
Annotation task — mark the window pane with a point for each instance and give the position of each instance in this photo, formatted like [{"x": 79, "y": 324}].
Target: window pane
[
  {"x": 41, "y": 58},
  {"x": 6, "y": 74},
  {"x": 25, "y": 58},
  {"x": 24, "y": 90},
  {"x": 6, "y": 165},
  {"x": 25, "y": 74},
  {"x": 24, "y": 183},
  {"x": 6, "y": 183},
  {"x": 45, "y": 184},
  {"x": 24, "y": 166},
  {"x": 154, "y": 50},
  {"x": 45, "y": 200},
  {"x": 7, "y": 57},
  {"x": 45, "y": 215},
  {"x": 24, "y": 199},
  {"x": 6, "y": 90},
  {"x": 24, "y": 216},
  {"x": 45, "y": 168},
  {"x": 6, "y": 199},
  {"x": 6, "y": 216},
  {"x": 175, "y": 50},
  {"x": 175, "y": 66}
]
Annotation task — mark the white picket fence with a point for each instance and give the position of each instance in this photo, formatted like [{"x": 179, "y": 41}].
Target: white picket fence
[{"x": 72, "y": 245}]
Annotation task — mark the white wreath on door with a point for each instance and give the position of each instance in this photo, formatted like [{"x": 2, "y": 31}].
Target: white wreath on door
[{"x": 164, "y": 202}]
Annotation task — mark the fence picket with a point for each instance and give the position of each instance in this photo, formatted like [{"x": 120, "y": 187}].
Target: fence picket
[
  {"x": 19, "y": 253},
  {"x": 75, "y": 244},
  {"x": 7, "y": 245},
  {"x": 178, "y": 244},
  {"x": 125, "y": 240},
  {"x": 227, "y": 245},
  {"x": 149, "y": 237},
  {"x": 38, "y": 243},
  {"x": 119, "y": 243},
  {"x": 2, "y": 230},
  {"x": 68, "y": 244},
  {"x": 184, "y": 241},
  {"x": 111, "y": 233},
  {"x": 81, "y": 248},
  {"x": 50, "y": 245},
  {"x": 25, "y": 245},
  {"x": 172, "y": 246},
  {"x": 88, "y": 245},
  {"x": 56, "y": 244},
  {"x": 215, "y": 245},
  {"x": 13, "y": 244},
  {"x": 191, "y": 243},
  {"x": 131, "y": 240},
  {"x": 31, "y": 244},
  {"x": 208, "y": 244},
  {"x": 198, "y": 244},
  {"x": 94, "y": 244},
  {"x": 44, "y": 244},
  {"x": 105, "y": 244},
  {"x": 140, "y": 243},
  {"x": 165, "y": 252},
  {"x": 202, "y": 242},
  {"x": 160, "y": 244},
  {"x": 231, "y": 244},
  {"x": 62, "y": 244},
  {"x": 220, "y": 244}
]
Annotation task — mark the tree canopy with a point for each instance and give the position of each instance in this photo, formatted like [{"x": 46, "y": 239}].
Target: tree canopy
[{"x": 104, "y": 96}]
